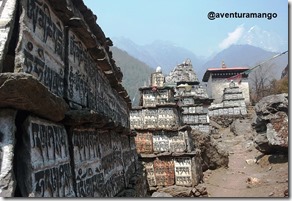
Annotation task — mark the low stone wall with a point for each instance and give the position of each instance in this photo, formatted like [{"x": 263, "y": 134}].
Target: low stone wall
[{"x": 227, "y": 111}]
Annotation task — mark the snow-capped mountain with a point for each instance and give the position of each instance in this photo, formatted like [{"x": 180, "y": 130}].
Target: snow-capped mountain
[{"x": 266, "y": 40}]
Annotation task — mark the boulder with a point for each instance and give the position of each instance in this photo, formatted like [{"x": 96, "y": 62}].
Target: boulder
[
  {"x": 242, "y": 127},
  {"x": 200, "y": 190},
  {"x": 213, "y": 155},
  {"x": 22, "y": 91},
  {"x": 176, "y": 191},
  {"x": 271, "y": 124},
  {"x": 161, "y": 194}
]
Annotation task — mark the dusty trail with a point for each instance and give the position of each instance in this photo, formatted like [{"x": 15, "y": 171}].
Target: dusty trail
[{"x": 268, "y": 177}]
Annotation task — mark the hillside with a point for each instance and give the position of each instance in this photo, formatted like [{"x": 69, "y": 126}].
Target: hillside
[
  {"x": 136, "y": 73},
  {"x": 159, "y": 53}
]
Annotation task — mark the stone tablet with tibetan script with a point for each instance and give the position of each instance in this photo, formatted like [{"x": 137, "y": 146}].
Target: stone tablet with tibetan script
[
  {"x": 41, "y": 46},
  {"x": 44, "y": 156}
]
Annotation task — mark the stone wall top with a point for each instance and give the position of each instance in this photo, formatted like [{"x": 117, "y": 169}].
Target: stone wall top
[
  {"x": 42, "y": 42},
  {"x": 83, "y": 21}
]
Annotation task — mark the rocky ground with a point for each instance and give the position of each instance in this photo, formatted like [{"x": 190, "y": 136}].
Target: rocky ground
[{"x": 249, "y": 172}]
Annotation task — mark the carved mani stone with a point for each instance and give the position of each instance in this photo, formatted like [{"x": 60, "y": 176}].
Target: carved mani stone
[{"x": 44, "y": 160}]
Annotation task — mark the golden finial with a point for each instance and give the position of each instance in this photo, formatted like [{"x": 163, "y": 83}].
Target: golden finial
[{"x": 223, "y": 64}]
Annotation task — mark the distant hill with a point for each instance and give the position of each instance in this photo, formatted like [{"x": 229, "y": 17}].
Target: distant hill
[
  {"x": 249, "y": 56},
  {"x": 160, "y": 53},
  {"x": 136, "y": 73}
]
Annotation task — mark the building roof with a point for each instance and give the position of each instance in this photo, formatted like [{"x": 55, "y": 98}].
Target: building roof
[{"x": 223, "y": 70}]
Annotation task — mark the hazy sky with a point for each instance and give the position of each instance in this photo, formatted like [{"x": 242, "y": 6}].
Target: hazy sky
[{"x": 185, "y": 22}]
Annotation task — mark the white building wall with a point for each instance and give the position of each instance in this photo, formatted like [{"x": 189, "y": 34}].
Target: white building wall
[{"x": 216, "y": 86}]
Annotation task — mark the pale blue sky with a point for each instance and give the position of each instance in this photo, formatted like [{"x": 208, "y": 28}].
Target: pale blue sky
[{"x": 185, "y": 22}]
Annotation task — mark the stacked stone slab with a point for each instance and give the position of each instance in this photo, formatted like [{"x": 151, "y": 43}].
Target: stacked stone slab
[
  {"x": 195, "y": 102},
  {"x": 182, "y": 73},
  {"x": 191, "y": 96},
  {"x": 232, "y": 104},
  {"x": 164, "y": 145},
  {"x": 64, "y": 115}
]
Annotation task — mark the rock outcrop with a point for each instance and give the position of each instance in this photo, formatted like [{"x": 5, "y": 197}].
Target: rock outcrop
[
  {"x": 242, "y": 127},
  {"x": 271, "y": 124},
  {"x": 213, "y": 156}
]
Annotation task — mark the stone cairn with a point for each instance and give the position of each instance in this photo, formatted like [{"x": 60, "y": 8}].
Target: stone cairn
[
  {"x": 163, "y": 143},
  {"x": 232, "y": 103},
  {"x": 64, "y": 115},
  {"x": 191, "y": 96},
  {"x": 232, "y": 106}
]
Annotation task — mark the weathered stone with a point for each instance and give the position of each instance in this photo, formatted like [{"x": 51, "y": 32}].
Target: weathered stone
[
  {"x": 7, "y": 143},
  {"x": 215, "y": 125},
  {"x": 202, "y": 189},
  {"x": 269, "y": 105},
  {"x": 271, "y": 124},
  {"x": 24, "y": 92},
  {"x": 85, "y": 116},
  {"x": 277, "y": 131},
  {"x": 161, "y": 194},
  {"x": 261, "y": 143},
  {"x": 213, "y": 156},
  {"x": 44, "y": 168},
  {"x": 93, "y": 119},
  {"x": 7, "y": 13},
  {"x": 197, "y": 193},
  {"x": 183, "y": 73},
  {"x": 140, "y": 183},
  {"x": 177, "y": 191},
  {"x": 242, "y": 127},
  {"x": 57, "y": 52},
  {"x": 40, "y": 50}
]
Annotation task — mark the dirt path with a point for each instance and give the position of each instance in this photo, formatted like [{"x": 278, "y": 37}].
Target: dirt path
[{"x": 268, "y": 177}]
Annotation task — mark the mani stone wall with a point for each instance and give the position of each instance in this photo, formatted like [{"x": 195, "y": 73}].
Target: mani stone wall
[
  {"x": 194, "y": 102},
  {"x": 233, "y": 103},
  {"x": 64, "y": 115},
  {"x": 164, "y": 146}
]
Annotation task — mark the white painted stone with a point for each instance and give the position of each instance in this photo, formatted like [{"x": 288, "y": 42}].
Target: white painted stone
[
  {"x": 7, "y": 143},
  {"x": 183, "y": 171}
]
